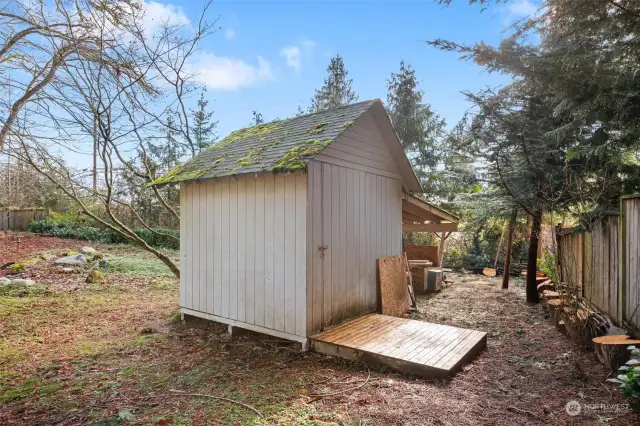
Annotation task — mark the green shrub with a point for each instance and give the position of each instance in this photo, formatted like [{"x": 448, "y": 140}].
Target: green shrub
[
  {"x": 65, "y": 229},
  {"x": 629, "y": 379},
  {"x": 547, "y": 264}
]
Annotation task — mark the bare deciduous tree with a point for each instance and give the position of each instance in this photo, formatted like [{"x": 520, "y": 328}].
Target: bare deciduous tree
[{"x": 105, "y": 83}]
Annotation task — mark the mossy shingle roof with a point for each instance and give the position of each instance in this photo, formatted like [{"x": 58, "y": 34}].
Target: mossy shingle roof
[{"x": 284, "y": 145}]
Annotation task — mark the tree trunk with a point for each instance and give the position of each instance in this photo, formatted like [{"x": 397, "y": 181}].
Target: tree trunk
[
  {"x": 532, "y": 258},
  {"x": 507, "y": 256}
]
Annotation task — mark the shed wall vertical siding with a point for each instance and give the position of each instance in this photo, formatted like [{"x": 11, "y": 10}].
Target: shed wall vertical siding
[
  {"x": 242, "y": 248},
  {"x": 357, "y": 214}
]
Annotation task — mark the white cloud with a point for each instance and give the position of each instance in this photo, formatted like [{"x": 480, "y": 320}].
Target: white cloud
[
  {"x": 224, "y": 73},
  {"x": 521, "y": 9},
  {"x": 308, "y": 45},
  {"x": 156, "y": 14},
  {"x": 229, "y": 33},
  {"x": 295, "y": 54},
  {"x": 292, "y": 56}
]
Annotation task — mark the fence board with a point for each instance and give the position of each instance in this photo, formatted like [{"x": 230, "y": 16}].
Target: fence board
[
  {"x": 590, "y": 260},
  {"x": 18, "y": 220},
  {"x": 630, "y": 270}
]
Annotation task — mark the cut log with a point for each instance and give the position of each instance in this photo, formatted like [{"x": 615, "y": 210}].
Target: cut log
[
  {"x": 557, "y": 303},
  {"x": 549, "y": 294},
  {"x": 554, "y": 306},
  {"x": 489, "y": 272},
  {"x": 582, "y": 314},
  {"x": 612, "y": 351},
  {"x": 538, "y": 274},
  {"x": 562, "y": 327},
  {"x": 546, "y": 285}
]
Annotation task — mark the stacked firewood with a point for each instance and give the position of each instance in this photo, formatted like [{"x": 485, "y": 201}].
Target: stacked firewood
[
  {"x": 577, "y": 319},
  {"x": 573, "y": 315}
]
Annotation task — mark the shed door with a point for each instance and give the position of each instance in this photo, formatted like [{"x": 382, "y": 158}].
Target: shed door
[
  {"x": 322, "y": 251},
  {"x": 355, "y": 219}
]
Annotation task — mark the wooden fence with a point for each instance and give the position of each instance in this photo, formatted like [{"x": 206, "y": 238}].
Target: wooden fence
[
  {"x": 18, "y": 220},
  {"x": 630, "y": 254},
  {"x": 604, "y": 264}
]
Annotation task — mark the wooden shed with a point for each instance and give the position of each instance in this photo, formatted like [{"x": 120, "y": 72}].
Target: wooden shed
[{"x": 282, "y": 223}]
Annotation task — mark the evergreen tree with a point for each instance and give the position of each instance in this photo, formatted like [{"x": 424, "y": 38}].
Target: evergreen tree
[
  {"x": 257, "y": 118},
  {"x": 204, "y": 130},
  {"x": 563, "y": 136},
  {"x": 337, "y": 90},
  {"x": 418, "y": 127}
]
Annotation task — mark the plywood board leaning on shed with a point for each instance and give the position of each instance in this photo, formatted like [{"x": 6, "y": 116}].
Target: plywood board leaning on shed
[{"x": 394, "y": 296}]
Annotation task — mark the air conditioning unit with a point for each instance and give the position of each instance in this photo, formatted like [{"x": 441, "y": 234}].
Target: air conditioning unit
[{"x": 434, "y": 280}]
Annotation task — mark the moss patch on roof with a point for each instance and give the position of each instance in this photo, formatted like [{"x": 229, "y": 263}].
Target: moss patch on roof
[
  {"x": 318, "y": 128},
  {"x": 279, "y": 146},
  {"x": 294, "y": 158}
]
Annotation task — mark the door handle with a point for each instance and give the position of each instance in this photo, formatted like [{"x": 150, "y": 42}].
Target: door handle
[{"x": 321, "y": 249}]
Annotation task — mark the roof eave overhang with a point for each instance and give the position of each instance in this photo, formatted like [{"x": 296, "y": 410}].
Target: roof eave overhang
[{"x": 421, "y": 216}]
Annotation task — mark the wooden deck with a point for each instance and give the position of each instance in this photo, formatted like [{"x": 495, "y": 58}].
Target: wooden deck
[{"x": 408, "y": 346}]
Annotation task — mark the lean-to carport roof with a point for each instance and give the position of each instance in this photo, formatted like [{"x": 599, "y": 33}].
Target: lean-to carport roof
[{"x": 421, "y": 216}]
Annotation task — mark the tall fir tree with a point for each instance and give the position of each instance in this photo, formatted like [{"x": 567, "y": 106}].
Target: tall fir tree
[
  {"x": 419, "y": 128},
  {"x": 204, "y": 129},
  {"x": 337, "y": 89}
]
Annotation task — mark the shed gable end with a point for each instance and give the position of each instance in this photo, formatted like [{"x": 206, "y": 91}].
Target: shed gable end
[{"x": 363, "y": 144}]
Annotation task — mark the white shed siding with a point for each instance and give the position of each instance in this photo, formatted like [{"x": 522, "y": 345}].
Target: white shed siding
[
  {"x": 242, "y": 250},
  {"x": 357, "y": 214},
  {"x": 362, "y": 147}
]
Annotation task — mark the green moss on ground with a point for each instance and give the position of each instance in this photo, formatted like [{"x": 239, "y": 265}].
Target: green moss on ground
[
  {"x": 31, "y": 387},
  {"x": 137, "y": 266},
  {"x": 21, "y": 266}
]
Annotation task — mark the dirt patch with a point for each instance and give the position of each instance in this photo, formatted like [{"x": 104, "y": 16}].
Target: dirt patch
[
  {"x": 113, "y": 352},
  {"x": 15, "y": 250}
]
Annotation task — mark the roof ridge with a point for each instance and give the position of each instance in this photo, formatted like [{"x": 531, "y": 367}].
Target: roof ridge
[{"x": 369, "y": 101}]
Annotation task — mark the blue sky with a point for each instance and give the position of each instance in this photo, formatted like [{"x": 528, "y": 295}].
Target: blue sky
[{"x": 271, "y": 55}]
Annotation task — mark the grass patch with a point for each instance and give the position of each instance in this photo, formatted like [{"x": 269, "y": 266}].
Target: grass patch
[
  {"x": 147, "y": 338},
  {"x": 20, "y": 291},
  {"x": 9, "y": 355},
  {"x": 141, "y": 266},
  {"x": 24, "y": 389}
]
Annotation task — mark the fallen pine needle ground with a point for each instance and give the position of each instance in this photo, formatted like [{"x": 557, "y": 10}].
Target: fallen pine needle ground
[{"x": 114, "y": 352}]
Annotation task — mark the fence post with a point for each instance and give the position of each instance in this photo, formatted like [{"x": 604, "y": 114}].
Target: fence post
[
  {"x": 559, "y": 253},
  {"x": 580, "y": 265}
]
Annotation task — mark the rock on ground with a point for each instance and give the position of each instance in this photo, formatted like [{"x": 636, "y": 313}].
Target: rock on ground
[
  {"x": 88, "y": 250},
  {"x": 5, "y": 281},
  {"x": 76, "y": 259},
  {"x": 23, "y": 282}
]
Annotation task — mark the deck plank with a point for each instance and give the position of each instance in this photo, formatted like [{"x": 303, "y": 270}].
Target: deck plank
[{"x": 410, "y": 346}]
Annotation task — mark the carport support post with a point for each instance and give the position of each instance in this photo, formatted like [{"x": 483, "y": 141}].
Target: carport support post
[
  {"x": 443, "y": 237},
  {"x": 507, "y": 257}
]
